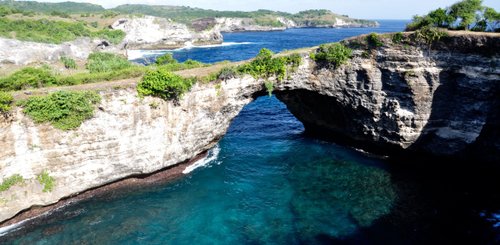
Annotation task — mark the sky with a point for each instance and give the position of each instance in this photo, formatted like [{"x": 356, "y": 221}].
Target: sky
[{"x": 367, "y": 9}]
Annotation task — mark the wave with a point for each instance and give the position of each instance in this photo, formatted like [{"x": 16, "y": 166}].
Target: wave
[
  {"x": 212, "y": 155},
  {"x": 134, "y": 54}
]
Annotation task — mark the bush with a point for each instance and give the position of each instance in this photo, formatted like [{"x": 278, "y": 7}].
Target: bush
[
  {"x": 265, "y": 66},
  {"x": 165, "y": 59},
  {"x": 335, "y": 53},
  {"x": 269, "y": 87},
  {"x": 28, "y": 77},
  {"x": 113, "y": 36},
  {"x": 428, "y": 35},
  {"x": 6, "y": 101},
  {"x": 397, "y": 37},
  {"x": 10, "y": 181},
  {"x": 46, "y": 180},
  {"x": 163, "y": 84},
  {"x": 227, "y": 73},
  {"x": 106, "y": 62},
  {"x": 63, "y": 109},
  {"x": 374, "y": 40},
  {"x": 69, "y": 63}
]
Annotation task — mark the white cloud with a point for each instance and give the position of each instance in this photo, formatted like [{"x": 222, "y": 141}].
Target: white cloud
[{"x": 370, "y": 9}]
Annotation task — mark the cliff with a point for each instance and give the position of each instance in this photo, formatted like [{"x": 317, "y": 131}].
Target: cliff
[
  {"x": 151, "y": 32},
  {"x": 397, "y": 98}
]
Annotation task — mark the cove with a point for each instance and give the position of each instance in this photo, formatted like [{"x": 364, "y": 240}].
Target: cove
[{"x": 270, "y": 183}]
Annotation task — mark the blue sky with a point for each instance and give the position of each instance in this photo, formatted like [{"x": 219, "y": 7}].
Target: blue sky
[{"x": 368, "y": 9}]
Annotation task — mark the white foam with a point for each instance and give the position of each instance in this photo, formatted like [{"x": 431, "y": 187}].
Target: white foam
[
  {"x": 138, "y": 53},
  {"x": 212, "y": 155}
]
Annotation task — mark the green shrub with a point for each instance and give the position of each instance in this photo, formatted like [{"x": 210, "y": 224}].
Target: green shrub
[
  {"x": 109, "y": 14},
  {"x": 227, "y": 73},
  {"x": 269, "y": 87},
  {"x": 106, "y": 62},
  {"x": 63, "y": 109},
  {"x": 113, "y": 36},
  {"x": 60, "y": 14},
  {"x": 335, "y": 54},
  {"x": 397, "y": 37},
  {"x": 429, "y": 35},
  {"x": 265, "y": 66},
  {"x": 28, "y": 77},
  {"x": 46, "y": 180},
  {"x": 168, "y": 63},
  {"x": 373, "y": 40},
  {"x": 69, "y": 63},
  {"x": 165, "y": 59},
  {"x": 163, "y": 84},
  {"x": 94, "y": 24},
  {"x": 6, "y": 101},
  {"x": 10, "y": 181}
]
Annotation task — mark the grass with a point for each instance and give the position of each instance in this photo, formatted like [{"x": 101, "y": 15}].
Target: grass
[
  {"x": 50, "y": 31},
  {"x": 28, "y": 77},
  {"x": 106, "y": 62},
  {"x": 46, "y": 180},
  {"x": 6, "y": 101},
  {"x": 68, "y": 62},
  {"x": 7, "y": 183},
  {"x": 63, "y": 109}
]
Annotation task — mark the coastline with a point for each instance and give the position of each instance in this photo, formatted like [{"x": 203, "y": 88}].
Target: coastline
[{"x": 35, "y": 215}]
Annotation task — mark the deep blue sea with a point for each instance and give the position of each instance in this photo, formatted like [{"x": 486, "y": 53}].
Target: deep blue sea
[
  {"x": 267, "y": 182},
  {"x": 246, "y": 45}
]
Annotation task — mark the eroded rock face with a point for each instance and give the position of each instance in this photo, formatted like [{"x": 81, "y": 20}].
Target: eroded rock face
[
  {"x": 151, "y": 32},
  {"x": 401, "y": 98},
  {"x": 129, "y": 136}
]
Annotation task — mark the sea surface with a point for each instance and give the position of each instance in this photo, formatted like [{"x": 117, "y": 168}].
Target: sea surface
[
  {"x": 246, "y": 45},
  {"x": 268, "y": 182}
]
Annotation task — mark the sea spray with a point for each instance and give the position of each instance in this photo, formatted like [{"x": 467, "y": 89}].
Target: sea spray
[{"x": 211, "y": 157}]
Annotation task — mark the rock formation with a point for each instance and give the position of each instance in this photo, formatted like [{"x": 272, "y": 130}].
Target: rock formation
[
  {"x": 395, "y": 98},
  {"x": 24, "y": 53},
  {"x": 151, "y": 32}
]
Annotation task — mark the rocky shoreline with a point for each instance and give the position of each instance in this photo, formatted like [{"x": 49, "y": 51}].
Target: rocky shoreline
[{"x": 34, "y": 216}]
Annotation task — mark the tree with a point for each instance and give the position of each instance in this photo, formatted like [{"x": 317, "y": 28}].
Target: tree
[
  {"x": 492, "y": 18},
  {"x": 439, "y": 18},
  {"x": 465, "y": 11}
]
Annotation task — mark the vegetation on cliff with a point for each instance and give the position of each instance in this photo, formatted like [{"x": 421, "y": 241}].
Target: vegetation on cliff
[
  {"x": 6, "y": 100},
  {"x": 105, "y": 62},
  {"x": 335, "y": 54},
  {"x": 46, "y": 181},
  {"x": 11, "y": 181},
  {"x": 164, "y": 84},
  {"x": 63, "y": 109},
  {"x": 264, "y": 65},
  {"x": 52, "y": 31},
  {"x": 463, "y": 15}
]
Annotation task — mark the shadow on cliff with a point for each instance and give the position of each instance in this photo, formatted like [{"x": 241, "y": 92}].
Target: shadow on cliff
[{"x": 460, "y": 106}]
